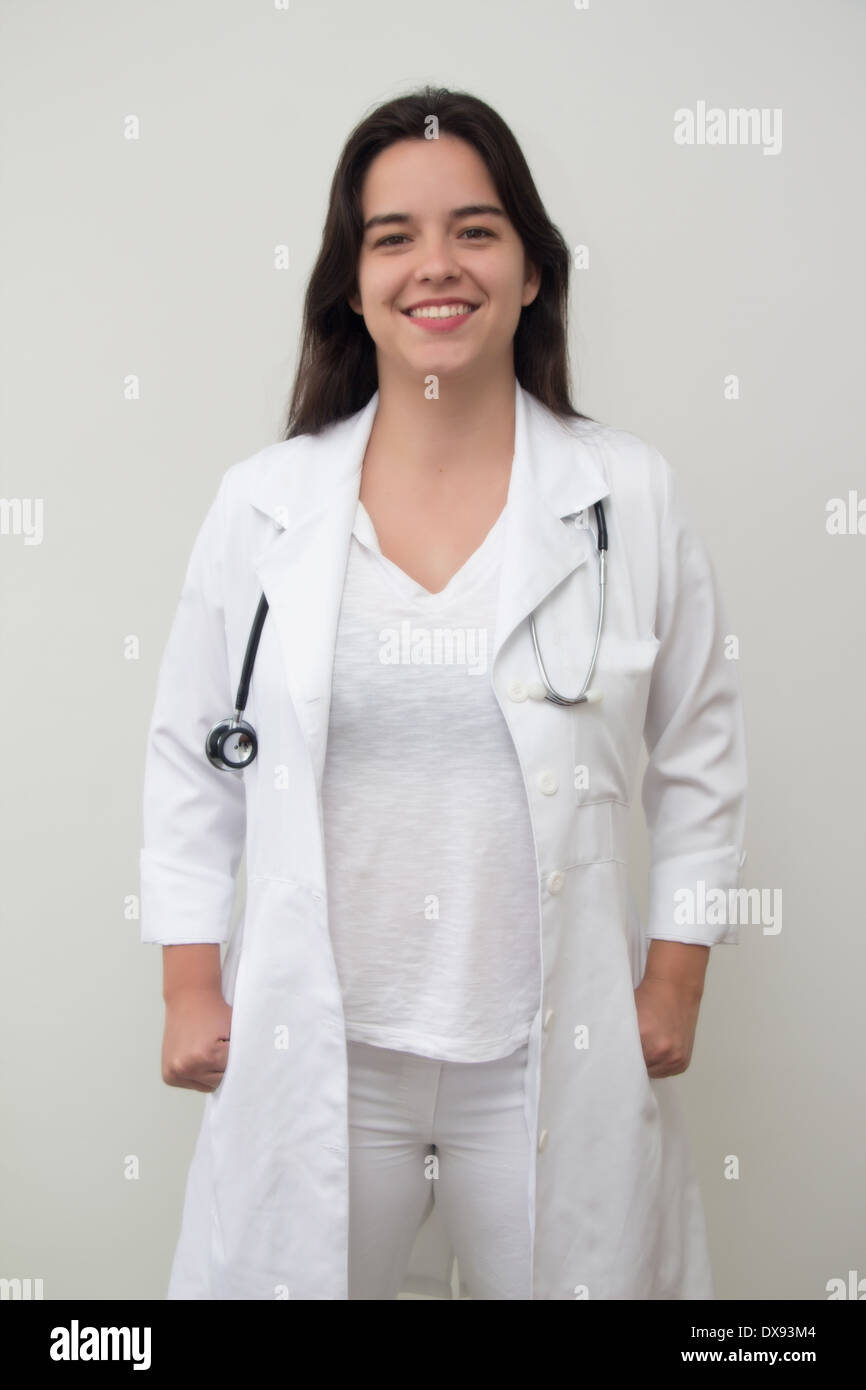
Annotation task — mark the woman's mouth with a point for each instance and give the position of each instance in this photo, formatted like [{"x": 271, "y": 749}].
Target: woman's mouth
[{"x": 441, "y": 318}]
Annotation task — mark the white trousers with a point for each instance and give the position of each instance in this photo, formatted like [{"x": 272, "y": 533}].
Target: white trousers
[{"x": 401, "y": 1105}]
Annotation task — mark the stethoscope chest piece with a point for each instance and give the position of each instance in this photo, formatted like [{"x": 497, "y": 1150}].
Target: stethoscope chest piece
[{"x": 232, "y": 744}]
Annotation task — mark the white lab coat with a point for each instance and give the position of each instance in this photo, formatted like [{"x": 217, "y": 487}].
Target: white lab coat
[{"x": 613, "y": 1201}]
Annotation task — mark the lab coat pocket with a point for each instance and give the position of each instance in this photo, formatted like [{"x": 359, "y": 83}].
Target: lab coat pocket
[{"x": 606, "y": 736}]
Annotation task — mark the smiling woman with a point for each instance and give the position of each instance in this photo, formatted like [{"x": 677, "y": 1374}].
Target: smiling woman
[
  {"x": 401, "y": 166},
  {"x": 432, "y": 203},
  {"x": 429, "y": 515},
  {"x": 441, "y": 1029}
]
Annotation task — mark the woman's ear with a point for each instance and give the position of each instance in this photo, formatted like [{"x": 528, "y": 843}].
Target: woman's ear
[{"x": 531, "y": 284}]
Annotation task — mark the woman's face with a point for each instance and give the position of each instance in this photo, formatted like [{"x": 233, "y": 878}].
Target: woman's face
[{"x": 429, "y": 246}]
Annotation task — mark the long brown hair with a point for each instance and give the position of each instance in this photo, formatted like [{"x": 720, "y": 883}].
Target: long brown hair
[{"x": 336, "y": 373}]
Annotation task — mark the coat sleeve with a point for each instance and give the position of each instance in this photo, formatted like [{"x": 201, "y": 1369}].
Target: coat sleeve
[
  {"x": 194, "y": 815},
  {"x": 694, "y": 788}
]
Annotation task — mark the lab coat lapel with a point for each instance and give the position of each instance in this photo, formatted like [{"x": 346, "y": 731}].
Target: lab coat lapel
[
  {"x": 554, "y": 475},
  {"x": 311, "y": 493},
  {"x": 310, "y": 490}
]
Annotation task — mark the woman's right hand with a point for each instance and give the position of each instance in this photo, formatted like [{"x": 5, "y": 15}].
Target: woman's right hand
[{"x": 195, "y": 1045}]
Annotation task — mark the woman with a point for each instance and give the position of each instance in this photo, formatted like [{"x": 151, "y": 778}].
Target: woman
[{"x": 441, "y": 1027}]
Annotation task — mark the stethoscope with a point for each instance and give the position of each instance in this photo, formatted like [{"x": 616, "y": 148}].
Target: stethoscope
[{"x": 232, "y": 745}]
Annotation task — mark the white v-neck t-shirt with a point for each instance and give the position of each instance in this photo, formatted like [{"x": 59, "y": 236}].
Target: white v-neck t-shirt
[{"x": 431, "y": 869}]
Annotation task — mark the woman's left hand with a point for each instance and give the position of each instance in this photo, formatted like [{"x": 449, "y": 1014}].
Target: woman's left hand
[{"x": 667, "y": 1015}]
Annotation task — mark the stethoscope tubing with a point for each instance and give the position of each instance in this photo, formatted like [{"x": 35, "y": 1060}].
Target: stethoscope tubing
[{"x": 583, "y": 694}]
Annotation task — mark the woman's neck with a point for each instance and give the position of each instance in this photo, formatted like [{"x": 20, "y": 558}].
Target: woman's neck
[{"x": 461, "y": 438}]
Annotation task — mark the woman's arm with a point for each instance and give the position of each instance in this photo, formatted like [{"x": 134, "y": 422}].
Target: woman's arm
[
  {"x": 194, "y": 816},
  {"x": 693, "y": 791},
  {"x": 694, "y": 788},
  {"x": 667, "y": 1000},
  {"x": 678, "y": 964},
  {"x": 195, "y": 1043},
  {"x": 191, "y": 969},
  {"x": 194, "y": 822}
]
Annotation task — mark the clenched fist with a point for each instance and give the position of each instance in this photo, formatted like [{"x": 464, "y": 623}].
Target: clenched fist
[{"x": 195, "y": 1045}]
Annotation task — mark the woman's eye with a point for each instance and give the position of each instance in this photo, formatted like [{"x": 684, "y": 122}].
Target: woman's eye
[{"x": 399, "y": 236}]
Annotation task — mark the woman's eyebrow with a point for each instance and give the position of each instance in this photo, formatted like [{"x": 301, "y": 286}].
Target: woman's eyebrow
[{"x": 470, "y": 210}]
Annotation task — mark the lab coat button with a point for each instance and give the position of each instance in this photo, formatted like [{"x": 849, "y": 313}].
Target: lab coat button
[
  {"x": 517, "y": 690},
  {"x": 542, "y": 1140},
  {"x": 547, "y": 782},
  {"x": 547, "y": 1017},
  {"x": 555, "y": 881}
]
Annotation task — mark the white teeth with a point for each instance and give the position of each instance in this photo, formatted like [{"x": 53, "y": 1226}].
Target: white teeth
[{"x": 440, "y": 311}]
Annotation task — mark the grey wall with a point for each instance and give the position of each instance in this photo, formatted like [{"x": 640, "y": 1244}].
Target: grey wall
[{"x": 154, "y": 257}]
